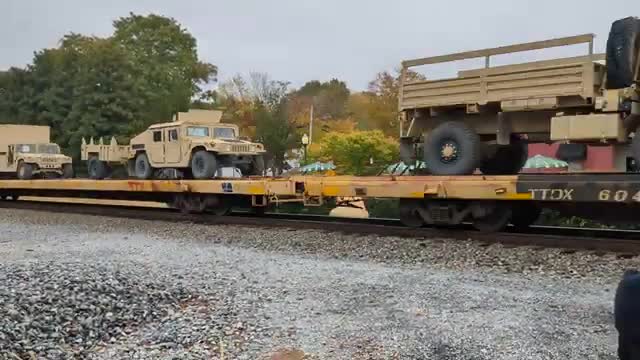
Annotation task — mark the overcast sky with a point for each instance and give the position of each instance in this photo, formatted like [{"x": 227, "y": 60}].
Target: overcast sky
[{"x": 300, "y": 40}]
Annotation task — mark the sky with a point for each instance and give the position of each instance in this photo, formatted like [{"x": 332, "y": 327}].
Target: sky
[{"x": 301, "y": 40}]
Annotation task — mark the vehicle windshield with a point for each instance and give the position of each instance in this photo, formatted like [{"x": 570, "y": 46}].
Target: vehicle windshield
[
  {"x": 224, "y": 133},
  {"x": 199, "y": 131},
  {"x": 48, "y": 149},
  {"x": 26, "y": 148},
  {"x": 38, "y": 148}
]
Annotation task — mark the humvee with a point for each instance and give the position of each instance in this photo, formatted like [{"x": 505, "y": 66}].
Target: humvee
[
  {"x": 194, "y": 145},
  {"x": 26, "y": 152},
  {"x": 483, "y": 118}
]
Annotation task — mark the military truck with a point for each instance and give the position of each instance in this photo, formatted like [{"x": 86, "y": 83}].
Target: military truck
[
  {"x": 194, "y": 145},
  {"x": 483, "y": 118},
  {"x": 26, "y": 152}
]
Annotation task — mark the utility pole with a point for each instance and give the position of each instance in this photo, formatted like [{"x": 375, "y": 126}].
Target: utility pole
[{"x": 311, "y": 124}]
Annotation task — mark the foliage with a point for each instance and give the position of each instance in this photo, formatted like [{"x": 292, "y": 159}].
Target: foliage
[
  {"x": 329, "y": 98},
  {"x": 259, "y": 106},
  {"x": 377, "y": 108},
  {"x": 92, "y": 86},
  {"x": 352, "y": 153},
  {"x": 165, "y": 59}
]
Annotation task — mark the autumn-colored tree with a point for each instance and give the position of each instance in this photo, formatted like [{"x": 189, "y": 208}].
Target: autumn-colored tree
[
  {"x": 358, "y": 152},
  {"x": 259, "y": 106},
  {"x": 377, "y": 108}
]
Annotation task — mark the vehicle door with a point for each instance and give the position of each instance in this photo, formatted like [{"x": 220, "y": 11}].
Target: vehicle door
[
  {"x": 172, "y": 149},
  {"x": 155, "y": 152}
]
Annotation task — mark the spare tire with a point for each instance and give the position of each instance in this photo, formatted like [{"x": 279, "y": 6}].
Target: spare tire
[
  {"x": 452, "y": 148},
  {"x": 623, "y": 52}
]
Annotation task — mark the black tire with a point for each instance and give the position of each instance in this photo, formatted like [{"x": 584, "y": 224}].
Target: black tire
[
  {"x": 143, "y": 169},
  {"x": 25, "y": 171},
  {"x": 461, "y": 140},
  {"x": 623, "y": 48},
  {"x": 96, "y": 168},
  {"x": 67, "y": 171},
  {"x": 407, "y": 152},
  {"x": 507, "y": 160},
  {"x": 524, "y": 215},
  {"x": 257, "y": 165},
  {"x": 203, "y": 165}
]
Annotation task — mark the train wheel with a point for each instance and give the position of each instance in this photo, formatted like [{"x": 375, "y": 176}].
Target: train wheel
[
  {"x": 258, "y": 210},
  {"x": 525, "y": 215},
  {"x": 409, "y": 213},
  {"x": 495, "y": 218}
]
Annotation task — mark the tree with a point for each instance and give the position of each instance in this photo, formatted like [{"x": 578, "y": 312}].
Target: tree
[
  {"x": 329, "y": 98},
  {"x": 165, "y": 58},
  {"x": 93, "y": 86},
  {"x": 260, "y": 105},
  {"x": 353, "y": 152},
  {"x": 377, "y": 108}
]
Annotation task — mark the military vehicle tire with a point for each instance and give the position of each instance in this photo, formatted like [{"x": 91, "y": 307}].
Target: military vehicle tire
[
  {"x": 407, "y": 152},
  {"x": 67, "y": 171},
  {"x": 452, "y": 148},
  {"x": 257, "y": 165},
  {"x": 96, "y": 168},
  {"x": 203, "y": 165},
  {"x": 623, "y": 52},
  {"x": 25, "y": 171},
  {"x": 143, "y": 168},
  {"x": 507, "y": 160}
]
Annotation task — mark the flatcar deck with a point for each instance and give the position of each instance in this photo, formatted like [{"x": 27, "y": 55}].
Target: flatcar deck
[
  {"x": 423, "y": 199},
  {"x": 413, "y": 187}
]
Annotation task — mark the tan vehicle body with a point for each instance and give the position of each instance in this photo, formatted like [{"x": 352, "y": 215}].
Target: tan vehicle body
[
  {"x": 26, "y": 151},
  {"x": 563, "y": 99},
  {"x": 170, "y": 147}
]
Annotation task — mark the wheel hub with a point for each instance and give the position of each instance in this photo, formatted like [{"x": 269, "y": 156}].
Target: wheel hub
[{"x": 449, "y": 152}]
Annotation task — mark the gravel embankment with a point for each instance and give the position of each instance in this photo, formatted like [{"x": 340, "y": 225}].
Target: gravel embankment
[{"x": 102, "y": 288}]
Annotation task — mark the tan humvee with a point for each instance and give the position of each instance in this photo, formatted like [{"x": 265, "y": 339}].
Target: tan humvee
[
  {"x": 196, "y": 144},
  {"x": 480, "y": 118},
  {"x": 26, "y": 152}
]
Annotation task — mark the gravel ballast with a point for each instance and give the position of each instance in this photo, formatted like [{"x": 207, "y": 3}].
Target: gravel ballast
[{"x": 74, "y": 286}]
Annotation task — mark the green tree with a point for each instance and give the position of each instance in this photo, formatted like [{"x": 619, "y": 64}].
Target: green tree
[
  {"x": 358, "y": 152},
  {"x": 328, "y": 98},
  {"x": 165, "y": 58},
  {"x": 92, "y": 86}
]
